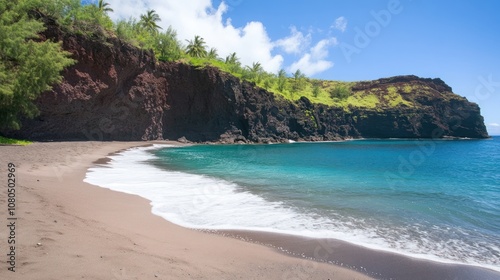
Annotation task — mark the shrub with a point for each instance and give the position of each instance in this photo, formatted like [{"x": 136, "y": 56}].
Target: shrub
[{"x": 340, "y": 92}]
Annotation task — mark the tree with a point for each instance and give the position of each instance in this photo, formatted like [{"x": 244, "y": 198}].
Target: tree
[
  {"x": 256, "y": 71},
  {"x": 104, "y": 6},
  {"x": 127, "y": 30},
  {"x": 212, "y": 54},
  {"x": 316, "y": 90},
  {"x": 196, "y": 47},
  {"x": 268, "y": 80},
  {"x": 282, "y": 80},
  {"x": 298, "y": 81},
  {"x": 58, "y": 9},
  {"x": 90, "y": 19},
  {"x": 149, "y": 21},
  {"x": 232, "y": 59},
  {"x": 167, "y": 47},
  {"x": 28, "y": 66},
  {"x": 234, "y": 63},
  {"x": 340, "y": 92}
]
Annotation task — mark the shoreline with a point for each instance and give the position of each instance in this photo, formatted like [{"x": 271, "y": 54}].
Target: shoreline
[
  {"x": 96, "y": 233},
  {"x": 370, "y": 261},
  {"x": 378, "y": 264}
]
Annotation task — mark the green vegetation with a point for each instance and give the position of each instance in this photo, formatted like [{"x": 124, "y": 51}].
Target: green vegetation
[
  {"x": 393, "y": 97},
  {"x": 104, "y": 7},
  {"x": 149, "y": 21},
  {"x": 212, "y": 54},
  {"x": 197, "y": 48},
  {"x": 370, "y": 101},
  {"x": 340, "y": 92},
  {"x": 311, "y": 116},
  {"x": 29, "y": 67},
  {"x": 10, "y": 141}
]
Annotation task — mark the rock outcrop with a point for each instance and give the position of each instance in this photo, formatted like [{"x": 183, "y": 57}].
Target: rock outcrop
[{"x": 118, "y": 92}]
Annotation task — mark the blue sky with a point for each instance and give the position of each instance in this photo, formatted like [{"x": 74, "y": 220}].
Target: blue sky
[{"x": 457, "y": 41}]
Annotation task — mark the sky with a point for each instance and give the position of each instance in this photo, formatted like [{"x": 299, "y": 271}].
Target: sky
[{"x": 457, "y": 41}]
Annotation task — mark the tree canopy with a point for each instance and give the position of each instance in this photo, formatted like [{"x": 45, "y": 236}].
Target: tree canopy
[
  {"x": 232, "y": 59},
  {"x": 256, "y": 72},
  {"x": 149, "y": 21},
  {"x": 212, "y": 54},
  {"x": 28, "y": 67},
  {"x": 196, "y": 47},
  {"x": 104, "y": 6}
]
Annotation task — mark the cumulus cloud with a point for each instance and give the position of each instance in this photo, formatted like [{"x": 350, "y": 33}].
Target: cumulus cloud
[
  {"x": 199, "y": 17},
  {"x": 251, "y": 41},
  {"x": 295, "y": 43},
  {"x": 340, "y": 24},
  {"x": 315, "y": 61}
]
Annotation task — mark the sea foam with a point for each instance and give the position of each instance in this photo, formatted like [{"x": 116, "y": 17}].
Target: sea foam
[{"x": 203, "y": 202}]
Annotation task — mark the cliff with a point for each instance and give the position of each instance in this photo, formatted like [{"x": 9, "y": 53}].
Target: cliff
[{"x": 119, "y": 92}]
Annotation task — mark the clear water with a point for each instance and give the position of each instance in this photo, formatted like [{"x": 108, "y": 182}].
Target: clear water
[{"x": 437, "y": 200}]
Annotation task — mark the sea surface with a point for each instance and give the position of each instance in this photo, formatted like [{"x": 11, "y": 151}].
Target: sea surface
[{"x": 430, "y": 199}]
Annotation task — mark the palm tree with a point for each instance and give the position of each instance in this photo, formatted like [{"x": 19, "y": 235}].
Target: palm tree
[
  {"x": 256, "y": 71},
  {"x": 103, "y": 6},
  {"x": 232, "y": 59},
  {"x": 212, "y": 54},
  {"x": 148, "y": 21},
  {"x": 233, "y": 63},
  {"x": 196, "y": 47},
  {"x": 256, "y": 67}
]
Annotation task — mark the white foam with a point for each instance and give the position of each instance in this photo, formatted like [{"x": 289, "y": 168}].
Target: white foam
[{"x": 202, "y": 202}]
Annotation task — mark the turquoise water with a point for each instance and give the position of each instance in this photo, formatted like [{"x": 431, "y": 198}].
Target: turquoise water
[
  {"x": 432, "y": 199},
  {"x": 436, "y": 200}
]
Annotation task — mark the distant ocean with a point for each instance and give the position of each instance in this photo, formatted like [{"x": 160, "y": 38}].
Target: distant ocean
[{"x": 437, "y": 200}]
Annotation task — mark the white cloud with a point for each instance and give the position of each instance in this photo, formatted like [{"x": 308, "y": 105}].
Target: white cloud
[
  {"x": 251, "y": 41},
  {"x": 494, "y": 124},
  {"x": 295, "y": 43},
  {"x": 199, "y": 17},
  {"x": 340, "y": 24},
  {"x": 315, "y": 61}
]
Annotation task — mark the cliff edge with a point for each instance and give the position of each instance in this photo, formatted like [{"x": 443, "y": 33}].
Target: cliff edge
[{"x": 118, "y": 92}]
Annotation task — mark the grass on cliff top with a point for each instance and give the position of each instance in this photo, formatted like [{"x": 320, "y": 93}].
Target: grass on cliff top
[
  {"x": 10, "y": 141},
  {"x": 340, "y": 94},
  {"x": 91, "y": 21}
]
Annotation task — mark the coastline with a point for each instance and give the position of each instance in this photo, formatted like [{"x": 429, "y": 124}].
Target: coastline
[
  {"x": 378, "y": 263},
  {"x": 70, "y": 229}
]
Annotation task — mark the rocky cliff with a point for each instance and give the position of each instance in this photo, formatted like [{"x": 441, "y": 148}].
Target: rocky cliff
[{"x": 119, "y": 92}]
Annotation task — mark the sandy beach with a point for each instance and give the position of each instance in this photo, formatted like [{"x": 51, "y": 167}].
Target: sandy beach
[{"x": 68, "y": 229}]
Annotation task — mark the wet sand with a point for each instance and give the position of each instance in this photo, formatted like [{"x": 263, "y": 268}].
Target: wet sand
[
  {"x": 375, "y": 263},
  {"x": 68, "y": 229}
]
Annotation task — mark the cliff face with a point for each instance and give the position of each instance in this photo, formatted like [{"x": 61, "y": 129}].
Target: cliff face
[
  {"x": 109, "y": 94},
  {"x": 434, "y": 111},
  {"x": 205, "y": 104},
  {"x": 208, "y": 105},
  {"x": 118, "y": 92}
]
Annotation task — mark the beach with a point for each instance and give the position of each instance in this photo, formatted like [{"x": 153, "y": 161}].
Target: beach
[{"x": 68, "y": 229}]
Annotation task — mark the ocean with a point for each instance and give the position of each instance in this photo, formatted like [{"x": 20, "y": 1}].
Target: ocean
[{"x": 430, "y": 199}]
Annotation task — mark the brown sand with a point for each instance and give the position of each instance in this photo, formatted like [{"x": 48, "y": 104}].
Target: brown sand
[
  {"x": 375, "y": 263},
  {"x": 67, "y": 229}
]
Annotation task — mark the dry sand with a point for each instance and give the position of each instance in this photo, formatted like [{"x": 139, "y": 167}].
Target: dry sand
[{"x": 67, "y": 229}]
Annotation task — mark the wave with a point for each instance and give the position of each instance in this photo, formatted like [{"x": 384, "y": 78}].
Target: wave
[{"x": 203, "y": 202}]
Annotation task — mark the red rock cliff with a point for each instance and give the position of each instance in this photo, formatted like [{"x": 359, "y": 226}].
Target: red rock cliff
[{"x": 118, "y": 92}]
